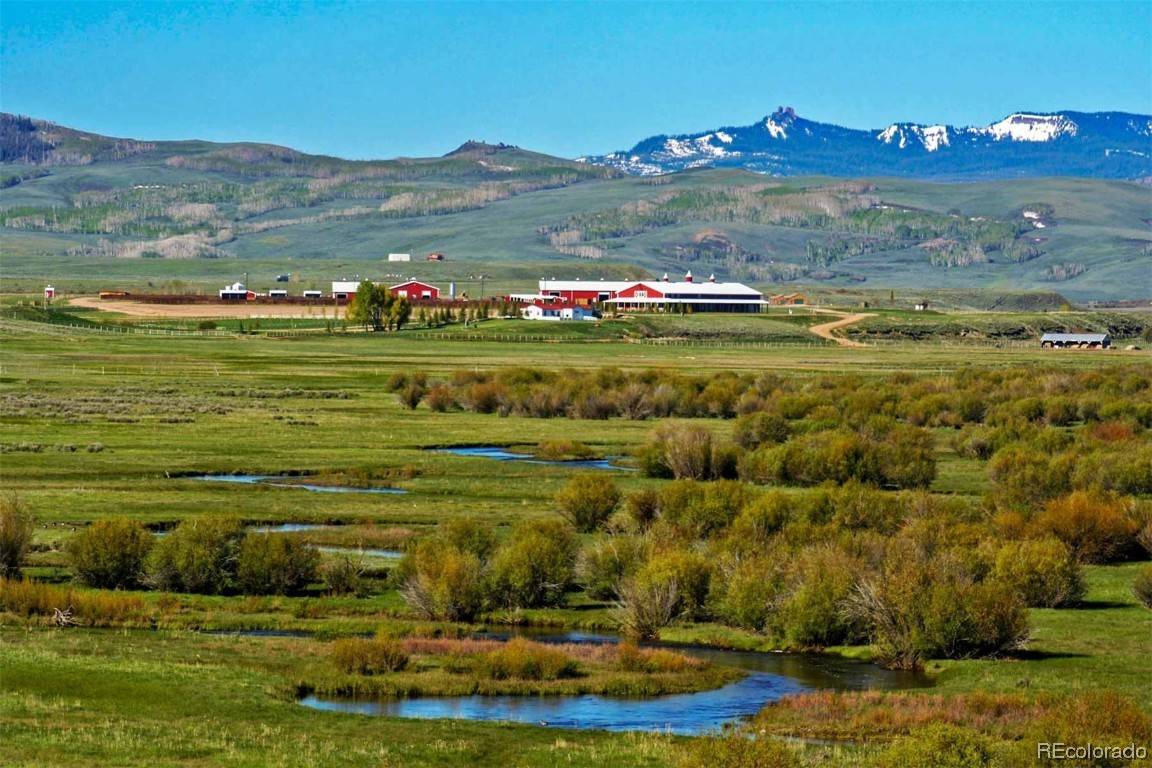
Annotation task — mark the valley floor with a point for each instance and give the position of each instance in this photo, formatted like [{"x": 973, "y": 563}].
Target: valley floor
[{"x": 95, "y": 426}]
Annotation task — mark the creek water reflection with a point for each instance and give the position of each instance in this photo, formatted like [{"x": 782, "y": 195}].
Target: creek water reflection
[
  {"x": 770, "y": 677},
  {"x": 500, "y": 454}
]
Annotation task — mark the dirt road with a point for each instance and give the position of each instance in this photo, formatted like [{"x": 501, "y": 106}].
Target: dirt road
[
  {"x": 189, "y": 311},
  {"x": 825, "y": 330}
]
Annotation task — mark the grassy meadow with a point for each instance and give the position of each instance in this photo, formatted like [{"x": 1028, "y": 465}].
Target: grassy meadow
[{"x": 95, "y": 426}]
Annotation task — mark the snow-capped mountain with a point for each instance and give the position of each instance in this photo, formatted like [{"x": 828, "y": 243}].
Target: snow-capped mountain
[{"x": 1114, "y": 145}]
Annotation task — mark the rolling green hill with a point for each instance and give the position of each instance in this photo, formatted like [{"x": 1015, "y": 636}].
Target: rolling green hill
[{"x": 89, "y": 211}]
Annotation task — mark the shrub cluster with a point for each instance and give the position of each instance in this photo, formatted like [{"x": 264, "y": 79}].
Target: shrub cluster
[
  {"x": 275, "y": 565},
  {"x": 369, "y": 656},
  {"x": 587, "y": 501},
  {"x": 968, "y": 397},
  {"x": 738, "y": 749},
  {"x": 460, "y": 571},
  {"x": 918, "y": 575},
  {"x": 16, "y": 526},
  {"x": 199, "y": 556},
  {"x": 110, "y": 554},
  {"x": 1142, "y": 586},
  {"x": 210, "y": 555},
  {"x": 525, "y": 660}
]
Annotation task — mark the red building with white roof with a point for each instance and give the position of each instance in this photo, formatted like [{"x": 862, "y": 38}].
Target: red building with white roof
[
  {"x": 656, "y": 295},
  {"x": 415, "y": 290},
  {"x": 583, "y": 292}
]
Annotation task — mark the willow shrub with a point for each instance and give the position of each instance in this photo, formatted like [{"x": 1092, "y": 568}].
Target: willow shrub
[
  {"x": 110, "y": 553},
  {"x": 369, "y": 656},
  {"x": 198, "y": 556},
  {"x": 525, "y": 660},
  {"x": 1142, "y": 586},
  {"x": 1096, "y": 527},
  {"x": 1043, "y": 572},
  {"x": 605, "y": 563},
  {"x": 813, "y": 613},
  {"x": 441, "y": 582},
  {"x": 16, "y": 526},
  {"x": 275, "y": 565},
  {"x": 939, "y": 746},
  {"x": 468, "y": 534},
  {"x": 535, "y": 567},
  {"x": 737, "y": 749},
  {"x": 588, "y": 500}
]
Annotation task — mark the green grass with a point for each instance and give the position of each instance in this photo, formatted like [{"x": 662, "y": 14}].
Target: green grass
[
  {"x": 166, "y": 699},
  {"x": 1106, "y": 644},
  {"x": 164, "y": 407}
]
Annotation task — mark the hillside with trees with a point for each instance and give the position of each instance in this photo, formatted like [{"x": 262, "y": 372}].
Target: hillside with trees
[{"x": 88, "y": 204}]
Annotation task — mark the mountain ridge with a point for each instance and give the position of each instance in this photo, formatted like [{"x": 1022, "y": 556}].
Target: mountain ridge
[
  {"x": 42, "y": 143},
  {"x": 100, "y": 206},
  {"x": 1109, "y": 145}
]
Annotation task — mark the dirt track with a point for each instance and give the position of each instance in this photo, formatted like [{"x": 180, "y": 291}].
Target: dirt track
[
  {"x": 825, "y": 330},
  {"x": 189, "y": 311}
]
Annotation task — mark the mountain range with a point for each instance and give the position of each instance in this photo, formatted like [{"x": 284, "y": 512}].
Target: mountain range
[
  {"x": 83, "y": 210},
  {"x": 1108, "y": 145}
]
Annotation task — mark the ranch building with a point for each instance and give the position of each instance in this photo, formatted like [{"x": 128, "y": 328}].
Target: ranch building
[
  {"x": 236, "y": 292},
  {"x": 414, "y": 290},
  {"x": 344, "y": 290},
  {"x": 556, "y": 310},
  {"x": 788, "y": 300},
  {"x": 1076, "y": 340},
  {"x": 662, "y": 295}
]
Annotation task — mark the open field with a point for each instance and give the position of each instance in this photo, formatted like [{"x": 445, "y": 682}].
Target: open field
[
  {"x": 96, "y": 426},
  {"x": 185, "y": 311}
]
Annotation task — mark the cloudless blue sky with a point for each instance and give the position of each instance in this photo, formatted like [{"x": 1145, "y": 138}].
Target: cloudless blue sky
[{"x": 380, "y": 79}]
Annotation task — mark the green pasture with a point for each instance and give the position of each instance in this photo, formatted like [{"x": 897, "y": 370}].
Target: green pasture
[{"x": 96, "y": 426}]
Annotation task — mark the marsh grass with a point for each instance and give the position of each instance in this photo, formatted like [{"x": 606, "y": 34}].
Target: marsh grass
[
  {"x": 875, "y": 715},
  {"x": 41, "y": 603},
  {"x": 369, "y": 656},
  {"x": 525, "y": 660},
  {"x": 446, "y": 666}
]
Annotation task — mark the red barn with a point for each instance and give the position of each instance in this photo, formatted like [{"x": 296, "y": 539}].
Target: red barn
[
  {"x": 583, "y": 292},
  {"x": 414, "y": 290}
]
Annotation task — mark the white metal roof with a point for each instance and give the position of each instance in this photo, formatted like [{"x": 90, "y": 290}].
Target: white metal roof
[
  {"x": 669, "y": 287},
  {"x": 412, "y": 282},
  {"x": 345, "y": 286},
  {"x": 674, "y": 300},
  {"x": 701, "y": 289},
  {"x": 1075, "y": 337}
]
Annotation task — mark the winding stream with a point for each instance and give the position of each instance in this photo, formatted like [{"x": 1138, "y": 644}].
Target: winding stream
[
  {"x": 384, "y": 554},
  {"x": 770, "y": 677},
  {"x": 269, "y": 480},
  {"x": 500, "y": 454}
]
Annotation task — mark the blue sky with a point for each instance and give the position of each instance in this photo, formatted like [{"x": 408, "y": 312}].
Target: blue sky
[{"x": 379, "y": 79}]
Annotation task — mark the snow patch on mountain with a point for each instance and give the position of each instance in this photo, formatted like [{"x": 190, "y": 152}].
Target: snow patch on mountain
[
  {"x": 1025, "y": 127},
  {"x": 679, "y": 148},
  {"x": 930, "y": 137},
  {"x": 691, "y": 148},
  {"x": 934, "y": 137},
  {"x": 775, "y": 129},
  {"x": 891, "y": 133},
  {"x": 630, "y": 164}
]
